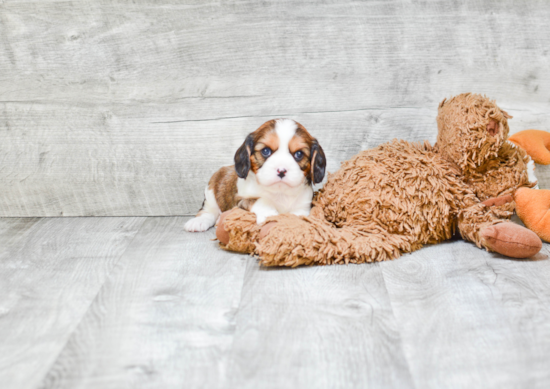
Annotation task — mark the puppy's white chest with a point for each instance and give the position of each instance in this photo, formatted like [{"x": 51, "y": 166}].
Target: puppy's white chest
[
  {"x": 281, "y": 198},
  {"x": 291, "y": 202}
]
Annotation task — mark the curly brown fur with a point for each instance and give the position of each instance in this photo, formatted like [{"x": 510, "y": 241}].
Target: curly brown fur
[
  {"x": 472, "y": 135},
  {"x": 463, "y": 137},
  {"x": 224, "y": 185},
  {"x": 400, "y": 196},
  {"x": 243, "y": 231}
]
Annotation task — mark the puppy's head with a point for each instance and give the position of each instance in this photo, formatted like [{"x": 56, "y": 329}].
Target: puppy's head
[{"x": 281, "y": 153}]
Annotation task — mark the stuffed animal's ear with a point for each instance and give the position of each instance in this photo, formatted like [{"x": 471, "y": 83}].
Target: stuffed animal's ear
[
  {"x": 492, "y": 127},
  {"x": 242, "y": 157},
  {"x": 318, "y": 162}
]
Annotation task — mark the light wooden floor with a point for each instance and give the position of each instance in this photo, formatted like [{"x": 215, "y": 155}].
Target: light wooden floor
[{"x": 139, "y": 303}]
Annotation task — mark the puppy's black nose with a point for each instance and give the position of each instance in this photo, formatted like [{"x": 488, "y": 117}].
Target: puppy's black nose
[{"x": 281, "y": 172}]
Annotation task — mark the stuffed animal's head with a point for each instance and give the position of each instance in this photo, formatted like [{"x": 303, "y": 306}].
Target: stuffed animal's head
[{"x": 472, "y": 129}]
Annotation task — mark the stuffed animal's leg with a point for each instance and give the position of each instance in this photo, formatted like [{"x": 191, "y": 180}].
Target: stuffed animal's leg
[
  {"x": 499, "y": 201},
  {"x": 290, "y": 240},
  {"x": 532, "y": 207},
  {"x": 478, "y": 225},
  {"x": 293, "y": 241},
  {"x": 535, "y": 142},
  {"x": 502, "y": 207},
  {"x": 311, "y": 245}
]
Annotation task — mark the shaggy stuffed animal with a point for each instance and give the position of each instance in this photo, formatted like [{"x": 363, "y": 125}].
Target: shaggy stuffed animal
[{"x": 399, "y": 196}]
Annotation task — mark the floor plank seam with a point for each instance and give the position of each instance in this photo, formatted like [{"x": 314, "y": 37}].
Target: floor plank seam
[
  {"x": 405, "y": 356},
  {"x": 229, "y": 351},
  {"x": 107, "y": 278},
  {"x": 289, "y": 114}
]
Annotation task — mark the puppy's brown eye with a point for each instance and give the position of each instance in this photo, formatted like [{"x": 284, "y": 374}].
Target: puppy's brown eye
[
  {"x": 298, "y": 155},
  {"x": 266, "y": 152}
]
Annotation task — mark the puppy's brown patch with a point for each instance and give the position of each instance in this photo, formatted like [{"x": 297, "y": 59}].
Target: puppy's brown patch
[
  {"x": 302, "y": 141},
  {"x": 224, "y": 185},
  {"x": 298, "y": 143},
  {"x": 264, "y": 136},
  {"x": 268, "y": 139},
  {"x": 246, "y": 204}
]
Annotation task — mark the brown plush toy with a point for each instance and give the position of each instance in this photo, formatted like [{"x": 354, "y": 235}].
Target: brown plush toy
[{"x": 399, "y": 196}]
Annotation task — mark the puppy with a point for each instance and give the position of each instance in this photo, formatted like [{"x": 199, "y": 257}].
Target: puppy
[{"x": 274, "y": 171}]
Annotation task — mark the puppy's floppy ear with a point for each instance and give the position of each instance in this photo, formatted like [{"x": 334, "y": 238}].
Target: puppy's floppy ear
[
  {"x": 318, "y": 162},
  {"x": 242, "y": 157}
]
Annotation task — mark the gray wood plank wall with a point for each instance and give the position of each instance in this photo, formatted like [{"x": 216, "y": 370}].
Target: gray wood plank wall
[{"x": 127, "y": 107}]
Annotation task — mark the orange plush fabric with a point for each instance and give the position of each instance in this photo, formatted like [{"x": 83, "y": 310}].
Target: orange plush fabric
[
  {"x": 536, "y": 143},
  {"x": 533, "y": 208},
  {"x": 399, "y": 196}
]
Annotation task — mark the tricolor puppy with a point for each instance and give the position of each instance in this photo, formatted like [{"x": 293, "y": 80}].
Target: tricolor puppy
[{"x": 274, "y": 171}]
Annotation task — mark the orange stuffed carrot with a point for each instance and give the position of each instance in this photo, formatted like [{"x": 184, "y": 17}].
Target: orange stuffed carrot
[
  {"x": 536, "y": 143},
  {"x": 533, "y": 208}
]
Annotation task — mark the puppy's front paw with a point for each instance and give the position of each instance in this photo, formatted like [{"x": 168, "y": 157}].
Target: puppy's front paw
[
  {"x": 301, "y": 212},
  {"x": 261, "y": 216},
  {"x": 200, "y": 223}
]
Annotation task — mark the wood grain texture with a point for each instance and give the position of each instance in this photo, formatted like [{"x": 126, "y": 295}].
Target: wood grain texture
[
  {"x": 472, "y": 319},
  {"x": 127, "y": 108},
  {"x": 165, "y": 318},
  {"x": 97, "y": 303},
  {"x": 318, "y": 327},
  {"x": 50, "y": 272}
]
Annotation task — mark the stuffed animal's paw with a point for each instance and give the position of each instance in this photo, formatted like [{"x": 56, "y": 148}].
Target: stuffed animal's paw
[
  {"x": 533, "y": 208},
  {"x": 536, "y": 143},
  {"x": 238, "y": 231},
  {"x": 511, "y": 240},
  {"x": 266, "y": 228},
  {"x": 498, "y": 201},
  {"x": 222, "y": 233}
]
